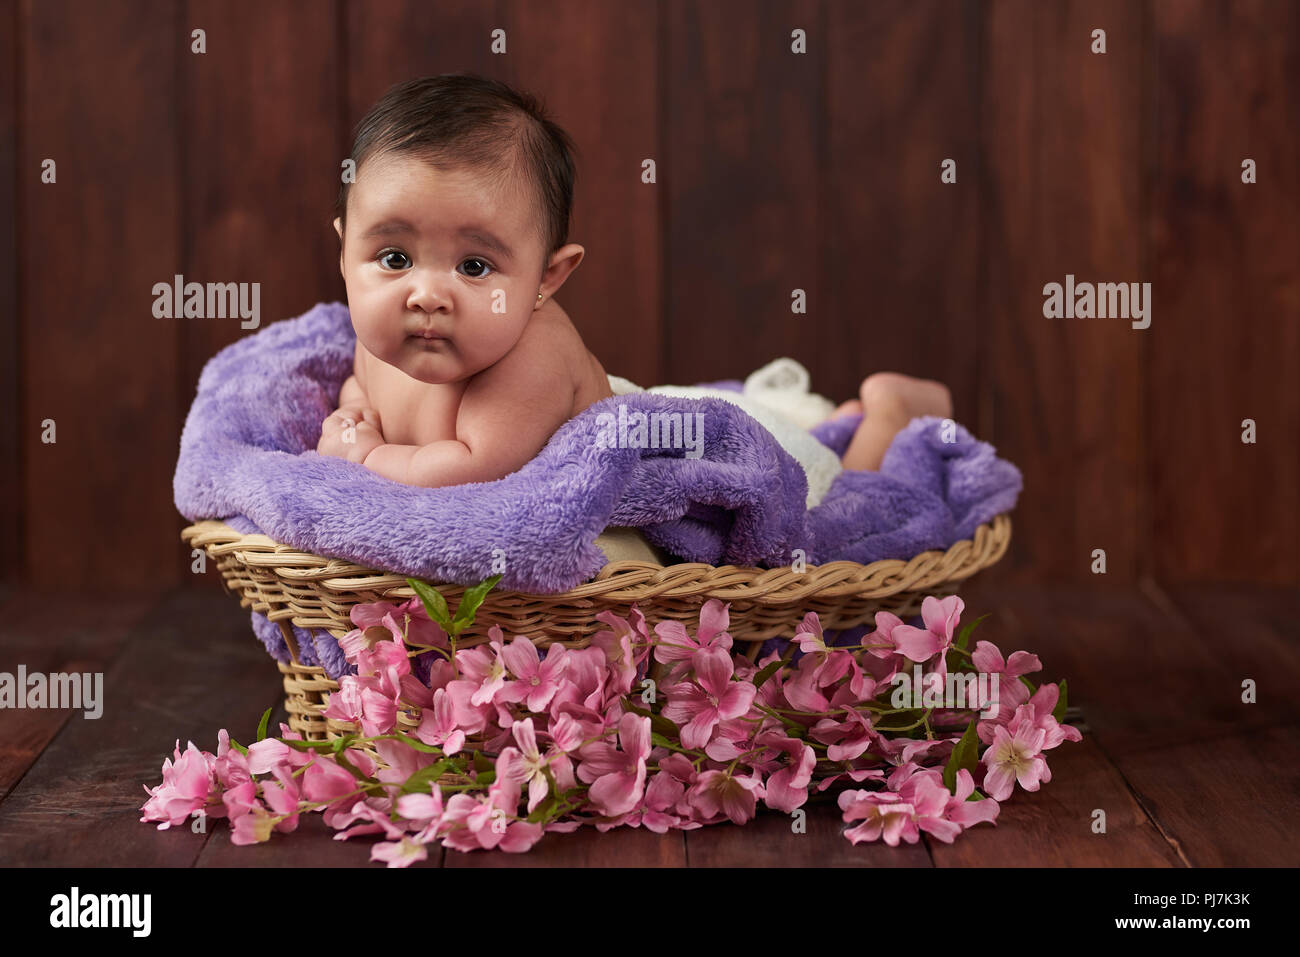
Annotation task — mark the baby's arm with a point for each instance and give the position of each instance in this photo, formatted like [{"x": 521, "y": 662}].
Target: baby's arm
[
  {"x": 507, "y": 414},
  {"x": 353, "y": 431}
]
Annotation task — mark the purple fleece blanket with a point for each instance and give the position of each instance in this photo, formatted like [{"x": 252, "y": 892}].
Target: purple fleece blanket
[{"x": 248, "y": 457}]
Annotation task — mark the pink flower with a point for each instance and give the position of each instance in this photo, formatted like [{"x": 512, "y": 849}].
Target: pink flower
[
  {"x": 676, "y": 645},
  {"x": 268, "y": 754},
  {"x": 662, "y": 795},
  {"x": 324, "y": 782},
  {"x": 1037, "y": 712},
  {"x": 699, "y": 705},
  {"x": 538, "y": 680},
  {"x": 470, "y": 718},
  {"x": 438, "y": 725},
  {"x": 787, "y": 789},
  {"x": 402, "y": 761},
  {"x": 717, "y": 792},
  {"x": 1009, "y": 760},
  {"x": 353, "y": 643},
  {"x": 625, "y": 647},
  {"x": 930, "y": 801},
  {"x": 231, "y": 766},
  {"x": 848, "y": 737},
  {"x": 240, "y": 800},
  {"x": 583, "y": 689},
  {"x": 282, "y": 798},
  {"x": 857, "y": 775},
  {"x": 969, "y": 813},
  {"x": 362, "y": 700},
  {"x": 378, "y": 712},
  {"x": 882, "y": 813},
  {"x": 915, "y": 644},
  {"x": 420, "y": 630},
  {"x": 184, "y": 789},
  {"x": 567, "y": 733},
  {"x": 400, "y": 853},
  {"x": 252, "y": 828},
  {"x": 387, "y": 661},
  {"x": 808, "y": 636},
  {"x": 483, "y": 821},
  {"x": 732, "y": 739},
  {"x": 345, "y": 704},
  {"x": 486, "y": 669},
  {"x": 421, "y": 809},
  {"x": 374, "y": 813},
  {"x": 816, "y": 671},
  {"x": 533, "y": 763},
  {"x": 1012, "y": 693},
  {"x": 617, "y": 777}
]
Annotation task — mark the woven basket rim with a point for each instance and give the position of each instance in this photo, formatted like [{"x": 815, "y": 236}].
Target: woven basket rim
[{"x": 626, "y": 581}]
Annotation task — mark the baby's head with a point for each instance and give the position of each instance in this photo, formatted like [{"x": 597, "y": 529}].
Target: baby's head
[{"x": 454, "y": 171}]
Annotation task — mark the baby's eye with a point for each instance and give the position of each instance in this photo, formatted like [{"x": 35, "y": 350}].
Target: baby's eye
[
  {"x": 389, "y": 254},
  {"x": 481, "y": 264}
]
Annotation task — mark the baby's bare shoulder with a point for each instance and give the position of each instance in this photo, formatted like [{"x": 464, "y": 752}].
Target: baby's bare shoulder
[{"x": 550, "y": 345}]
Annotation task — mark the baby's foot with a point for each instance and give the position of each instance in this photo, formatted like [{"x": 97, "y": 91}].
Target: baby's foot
[
  {"x": 846, "y": 409},
  {"x": 903, "y": 398},
  {"x": 889, "y": 402}
]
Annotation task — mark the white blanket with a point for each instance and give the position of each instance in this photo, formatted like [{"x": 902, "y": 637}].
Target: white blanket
[{"x": 777, "y": 396}]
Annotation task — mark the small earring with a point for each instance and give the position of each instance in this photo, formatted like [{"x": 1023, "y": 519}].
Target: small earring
[{"x": 539, "y": 297}]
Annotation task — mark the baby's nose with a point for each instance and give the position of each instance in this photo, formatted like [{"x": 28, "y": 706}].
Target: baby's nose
[{"x": 427, "y": 294}]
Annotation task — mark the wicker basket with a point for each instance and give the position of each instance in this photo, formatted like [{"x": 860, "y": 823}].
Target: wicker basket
[{"x": 291, "y": 586}]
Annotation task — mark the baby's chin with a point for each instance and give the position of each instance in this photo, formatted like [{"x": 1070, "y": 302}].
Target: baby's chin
[{"x": 431, "y": 365}]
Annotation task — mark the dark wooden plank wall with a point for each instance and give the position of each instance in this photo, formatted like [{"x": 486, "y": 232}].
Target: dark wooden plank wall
[
  {"x": 98, "y": 96},
  {"x": 1226, "y": 259},
  {"x": 775, "y": 171},
  {"x": 11, "y": 488}
]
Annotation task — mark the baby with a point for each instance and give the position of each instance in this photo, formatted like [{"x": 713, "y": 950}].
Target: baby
[{"x": 453, "y": 243}]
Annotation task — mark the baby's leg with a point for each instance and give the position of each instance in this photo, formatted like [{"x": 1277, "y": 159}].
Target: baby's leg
[
  {"x": 889, "y": 402},
  {"x": 851, "y": 407}
]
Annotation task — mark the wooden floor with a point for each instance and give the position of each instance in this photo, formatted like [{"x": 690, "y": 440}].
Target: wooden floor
[{"x": 1186, "y": 774}]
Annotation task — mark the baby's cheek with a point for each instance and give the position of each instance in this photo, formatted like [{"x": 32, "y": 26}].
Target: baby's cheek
[{"x": 496, "y": 338}]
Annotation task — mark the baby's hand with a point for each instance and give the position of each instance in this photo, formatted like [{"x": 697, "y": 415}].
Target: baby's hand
[{"x": 351, "y": 433}]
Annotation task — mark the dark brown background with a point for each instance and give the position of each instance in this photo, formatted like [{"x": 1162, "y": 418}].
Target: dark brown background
[{"x": 775, "y": 171}]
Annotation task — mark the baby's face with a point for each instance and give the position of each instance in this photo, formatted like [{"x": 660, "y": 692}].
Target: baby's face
[{"x": 440, "y": 252}]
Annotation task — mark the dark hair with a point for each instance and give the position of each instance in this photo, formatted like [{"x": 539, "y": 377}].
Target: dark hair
[{"x": 467, "y": 121}]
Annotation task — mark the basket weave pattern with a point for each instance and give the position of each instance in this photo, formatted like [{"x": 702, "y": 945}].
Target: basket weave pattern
[{"x": 309, "y": 591}]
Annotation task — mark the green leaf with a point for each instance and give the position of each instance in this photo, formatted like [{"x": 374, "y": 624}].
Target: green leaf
[
  {"x": 417, "y": 745},
  {"x": 423, "y": 780},
  {"x": 1028, "y": 684},
  {"x": 964, "y": 755},
  {"x": 261, "y": 727},
  {"x": 767, "y": 672},
  {"x": 541, "y": 811},
  {"x": 1059, "y": 711},
  {"x": 482, "y": 763},
  {"x": 338, "y": 744},
  {"x": 239, "y": 747},
  {"x": 964, "y": 634},
  {"x": 469, "y": 603},
  {"x": 348, "y": 766},
  {"x": 308, "y": 745},
  {"x": 433, "y": 601}
]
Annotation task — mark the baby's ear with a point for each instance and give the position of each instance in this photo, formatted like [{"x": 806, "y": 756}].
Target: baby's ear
[{"x": 338, "y": 227}]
